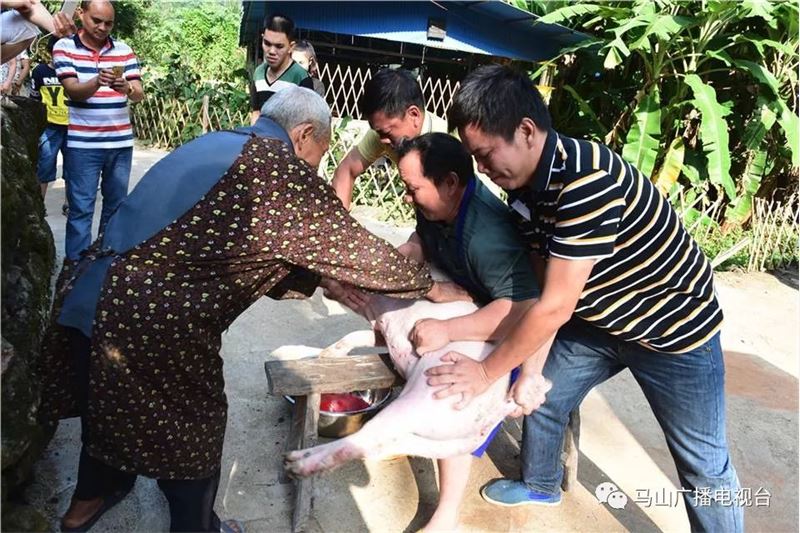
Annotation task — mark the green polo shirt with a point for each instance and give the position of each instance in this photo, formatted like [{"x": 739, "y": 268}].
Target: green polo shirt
[
  {"x": 261, "y": 89},
  {"x": 481, "y": 250}
]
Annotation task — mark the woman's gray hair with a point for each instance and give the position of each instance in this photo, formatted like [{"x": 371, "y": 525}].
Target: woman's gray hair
[{"x": 297, "y": 105}]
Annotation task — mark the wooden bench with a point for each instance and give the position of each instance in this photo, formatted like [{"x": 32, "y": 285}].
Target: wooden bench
[{"x": 307, "y": 379}]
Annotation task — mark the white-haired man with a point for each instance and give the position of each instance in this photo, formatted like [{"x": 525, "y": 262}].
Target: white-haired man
[{"x": 134, "y": 347}]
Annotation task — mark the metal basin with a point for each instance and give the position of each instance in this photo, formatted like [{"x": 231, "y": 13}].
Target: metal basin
[{"x": 340, "y": 424}]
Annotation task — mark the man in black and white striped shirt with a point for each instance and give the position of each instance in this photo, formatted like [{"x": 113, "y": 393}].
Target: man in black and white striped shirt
[{"x": 624, "y": 286}]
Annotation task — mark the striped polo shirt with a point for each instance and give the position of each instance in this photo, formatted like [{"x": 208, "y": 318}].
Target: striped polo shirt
[
  {"x": 651, "y": 283},
  {"x": 102, "y": 121}
]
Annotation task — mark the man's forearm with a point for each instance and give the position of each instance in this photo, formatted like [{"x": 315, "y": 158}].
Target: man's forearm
[
  {"x": 343, "y": 183},
  {"x": 137, "y": 92},
  {"x": 346, "y": 173},
  {"x": 529, "y": 336},
  {"x": 80, "y": 91},
  {"x": 491, "y": 322},
  {"x": 535, "y": 363},
  {"x": 412, "y": 248}
]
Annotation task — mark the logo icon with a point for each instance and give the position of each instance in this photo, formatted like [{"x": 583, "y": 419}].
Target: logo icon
[{"x": 610, "y": 494}]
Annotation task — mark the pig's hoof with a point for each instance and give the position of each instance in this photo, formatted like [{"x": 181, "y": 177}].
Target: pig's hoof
[
  {"x": 304, "y": 463},
  {"x": 296, "y": 467}
]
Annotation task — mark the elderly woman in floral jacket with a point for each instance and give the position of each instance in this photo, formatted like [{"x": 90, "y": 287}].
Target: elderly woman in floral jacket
[{"x": 134, "y": 348}]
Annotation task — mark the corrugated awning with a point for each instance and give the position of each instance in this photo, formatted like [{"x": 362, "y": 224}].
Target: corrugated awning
[{"x": 491, "y": 28}]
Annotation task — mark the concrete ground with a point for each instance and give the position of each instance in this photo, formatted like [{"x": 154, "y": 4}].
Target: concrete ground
[{"x": 620, "y": 441}]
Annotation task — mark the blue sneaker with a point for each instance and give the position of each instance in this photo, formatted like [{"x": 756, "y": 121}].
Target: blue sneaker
[{"x": 511, "y": 493}]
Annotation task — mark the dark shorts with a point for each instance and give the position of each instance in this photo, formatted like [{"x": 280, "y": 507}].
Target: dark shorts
[{"x": 482, "y": 448}]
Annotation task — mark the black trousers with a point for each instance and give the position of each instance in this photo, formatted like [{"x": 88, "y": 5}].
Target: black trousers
[{"x": 191, "y": 501}]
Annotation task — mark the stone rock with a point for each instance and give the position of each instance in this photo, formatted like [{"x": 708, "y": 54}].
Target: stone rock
[{"x": 27, "y": 259}]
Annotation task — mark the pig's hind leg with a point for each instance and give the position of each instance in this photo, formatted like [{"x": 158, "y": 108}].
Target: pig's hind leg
[{"x": 369, "y": 445}]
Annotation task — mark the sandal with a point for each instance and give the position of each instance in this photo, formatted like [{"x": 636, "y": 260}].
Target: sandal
[
  {"x": 231, "y": 526},
  {"x": 108, "y": 503}
]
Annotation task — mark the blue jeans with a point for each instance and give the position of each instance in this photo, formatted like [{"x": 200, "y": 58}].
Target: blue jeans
[
  {"x": 52, "y": 140},
  {"x": 685, "y": 391},
  {"x": 84, "y": 168}
]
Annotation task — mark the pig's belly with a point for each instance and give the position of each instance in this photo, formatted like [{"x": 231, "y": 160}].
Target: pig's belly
[
  {"x": 416, "y": 411},
  {"x": 437, "y": 419}
]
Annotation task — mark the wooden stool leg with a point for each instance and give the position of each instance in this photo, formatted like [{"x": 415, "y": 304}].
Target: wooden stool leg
[
  {"x": 569, "y": 454},
  {"x": 304, "y": 429}
]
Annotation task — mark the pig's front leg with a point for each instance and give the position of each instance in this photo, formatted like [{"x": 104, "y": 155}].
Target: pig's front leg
[{"x": 358, "y": 339}]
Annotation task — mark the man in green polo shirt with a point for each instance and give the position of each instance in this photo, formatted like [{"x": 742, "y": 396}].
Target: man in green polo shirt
[
  {"x": 393, "y": 105},
  {"x": 279, "y": 70},
  {"x": 466, "y": 231}
]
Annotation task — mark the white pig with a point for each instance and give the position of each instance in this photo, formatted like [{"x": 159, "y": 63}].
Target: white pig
[{"x": 415, "y": 423}]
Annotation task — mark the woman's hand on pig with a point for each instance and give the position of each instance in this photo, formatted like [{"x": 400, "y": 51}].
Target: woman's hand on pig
[{"x": 345, "y": 294}]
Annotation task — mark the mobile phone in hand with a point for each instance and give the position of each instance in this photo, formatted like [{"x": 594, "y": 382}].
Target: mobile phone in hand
[{"x": 68, "y": 8}]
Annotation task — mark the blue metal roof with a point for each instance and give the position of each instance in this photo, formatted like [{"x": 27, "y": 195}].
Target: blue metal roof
[{"x": 490, "y": 27}]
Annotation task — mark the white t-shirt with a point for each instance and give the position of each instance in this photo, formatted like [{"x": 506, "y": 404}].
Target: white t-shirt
[{"x": 14, "y": 28}]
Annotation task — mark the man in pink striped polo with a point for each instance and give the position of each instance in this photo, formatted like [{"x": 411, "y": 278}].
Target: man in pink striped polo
[{"x": 100, "y": 75}]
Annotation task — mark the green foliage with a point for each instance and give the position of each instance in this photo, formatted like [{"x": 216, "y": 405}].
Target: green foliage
[
  {"x": 713, "y": 134},
  {"x": 204, "y": 34},
  {"x": 717, "y": 241},
  {"x": 756, "y": 168},
  {"x": 641, "y": 147},
  {"x": 130, "y": 17},
  {"x": 180, "y": 84},
  {"x": 671, "y": 168},
  {"x": 704, "y": 93}
]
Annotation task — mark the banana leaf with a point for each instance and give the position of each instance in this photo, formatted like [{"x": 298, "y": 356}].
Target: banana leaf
[
  {"x": 585, "y": 108},
  {"x": 763, "y": 120},
  {"x": 760, "y": 73},
  {"x": 759, "y": 8},
  {"x": 641, "y": 146},
  {"x": 788, "y": 119},
  {"x": 754, "y": 172},
  {"x": 762, "y": 44},
  {"x": 664, "y": 27},
  {"x": 720, "y": 55},
  {"x": 613, "y": 58},
  {"x": 568, "y": 13},
  {"x": 636, "y": 22},
  {"x": 617, "y": 49},
  {"x": 718, "y": 6},
  {"x": 671, "y": 167},
  {"x": 695, "y": 168},
  {"x": 790, "y": 124},
  {"x": 713, "y": 133}
]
